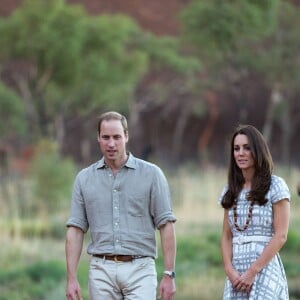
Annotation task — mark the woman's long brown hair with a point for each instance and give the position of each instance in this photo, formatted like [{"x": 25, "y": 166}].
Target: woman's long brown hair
[{"x": 263, "y": 164}]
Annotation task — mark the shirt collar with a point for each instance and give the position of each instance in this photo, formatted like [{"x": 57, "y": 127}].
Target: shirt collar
[{"x": 130, "y": 163}]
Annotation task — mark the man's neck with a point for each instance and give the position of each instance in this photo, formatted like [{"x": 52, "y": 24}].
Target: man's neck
[{"x": 117, "y": 165}]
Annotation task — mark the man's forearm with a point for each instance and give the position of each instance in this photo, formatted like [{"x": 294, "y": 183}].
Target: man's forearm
[
  {"x": 74, "y": 242},
  {"x": 168, "y": 244}
]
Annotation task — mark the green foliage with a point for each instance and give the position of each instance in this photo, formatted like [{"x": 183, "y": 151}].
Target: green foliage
[
  {"x": 218, "y": 27},
  {"x": 293, "y": 242},
  {"x": 52, "y": 177},
  {"x": 78, "y": 63},
  {"x": 111, "y": 63},
  {"x": 30, "y": 282},
  {"x": 166, "y": 52},
  {"x": 290, "y": 254},
  {"x": 51, "y": 269},
  {"x": 277, "y": 57},
  {"x": 203, "y": 249},
  {"x": 48, "y": 34},
  {"x": 12, "y": 111}
]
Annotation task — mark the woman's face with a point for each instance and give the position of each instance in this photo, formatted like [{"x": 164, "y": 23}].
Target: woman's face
[{"x": 242, "y": 152}]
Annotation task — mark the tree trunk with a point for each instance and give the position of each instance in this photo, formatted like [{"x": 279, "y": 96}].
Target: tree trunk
[
  {"x": 276, "y": 97},
  {"x": 286, "y": 127},
  {"x": 59, "y": 125},
  {"x": 207, "y": 133},
  {"x": 179, "y": 130}
]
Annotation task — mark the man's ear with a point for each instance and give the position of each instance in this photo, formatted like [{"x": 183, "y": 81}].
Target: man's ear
[{"x": 98, "y": 137}]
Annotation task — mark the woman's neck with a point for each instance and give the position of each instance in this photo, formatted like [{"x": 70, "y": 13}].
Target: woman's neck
[{"x": 248, "y": 177}]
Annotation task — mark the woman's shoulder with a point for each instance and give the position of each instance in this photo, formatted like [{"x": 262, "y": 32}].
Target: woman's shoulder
[
  {"x": 277, "y": 180},
  {"x": 279, "y": 189},
  {"x": 223, "y": 192}
]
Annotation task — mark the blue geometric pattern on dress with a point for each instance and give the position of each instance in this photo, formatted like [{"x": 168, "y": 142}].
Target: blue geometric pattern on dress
[{"x": 270, "y": 283}]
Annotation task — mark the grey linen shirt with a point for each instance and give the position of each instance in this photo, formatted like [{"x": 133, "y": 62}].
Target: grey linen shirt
[{"x": 121, "y": 211}]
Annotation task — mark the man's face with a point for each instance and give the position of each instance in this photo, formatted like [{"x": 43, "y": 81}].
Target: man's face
[{"x": 112, "y": 141}]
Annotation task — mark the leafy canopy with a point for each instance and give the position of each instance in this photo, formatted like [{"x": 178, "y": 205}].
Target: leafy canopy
[
  {"x": 216, "y": 27},
  {"x": 78, "y": 63}
]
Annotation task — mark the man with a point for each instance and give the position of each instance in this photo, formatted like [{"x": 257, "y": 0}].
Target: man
[{"x": 122, "y": 200}]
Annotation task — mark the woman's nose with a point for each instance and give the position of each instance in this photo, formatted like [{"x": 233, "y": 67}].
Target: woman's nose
[{"x": 241, "y": 151}]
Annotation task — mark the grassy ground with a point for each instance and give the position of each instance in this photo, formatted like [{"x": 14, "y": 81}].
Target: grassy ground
[{"x": 32, "y": 261}]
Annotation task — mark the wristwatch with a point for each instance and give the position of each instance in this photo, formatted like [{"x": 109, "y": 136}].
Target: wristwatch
[{"x": 170, "y": 273}]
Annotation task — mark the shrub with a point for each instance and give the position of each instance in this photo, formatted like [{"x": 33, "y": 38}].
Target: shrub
[
  {"x": 52, "y": 178},
  {"x": 31, "y": 282}
]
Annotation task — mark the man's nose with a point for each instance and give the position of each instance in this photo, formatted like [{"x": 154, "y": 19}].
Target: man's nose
[{"x": 111, "y": 142}]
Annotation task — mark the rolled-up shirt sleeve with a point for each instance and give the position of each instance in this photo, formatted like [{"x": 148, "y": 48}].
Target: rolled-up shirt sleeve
[
  {"x": 161, "y": 207},
  {"x": 78, "y": 217}
]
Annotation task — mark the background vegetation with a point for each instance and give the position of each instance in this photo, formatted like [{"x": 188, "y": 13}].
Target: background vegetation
[
  {"x": 229, "y": 62},
  {"x": 32, "y": 253}
]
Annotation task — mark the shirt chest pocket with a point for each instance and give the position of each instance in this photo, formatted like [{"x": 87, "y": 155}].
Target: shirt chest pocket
[{"x": 137, "y": 205}]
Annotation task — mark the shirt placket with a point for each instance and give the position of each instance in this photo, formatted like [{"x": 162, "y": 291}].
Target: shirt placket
[{"x": 116, "y": 213}]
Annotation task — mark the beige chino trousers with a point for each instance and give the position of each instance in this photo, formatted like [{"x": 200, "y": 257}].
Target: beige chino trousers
[{"x": 110, "y": 280}]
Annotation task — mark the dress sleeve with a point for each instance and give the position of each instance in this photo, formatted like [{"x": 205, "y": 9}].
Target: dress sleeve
[
  {"x": 279, "y": 190},
  {"x": 225, "y": 188}
]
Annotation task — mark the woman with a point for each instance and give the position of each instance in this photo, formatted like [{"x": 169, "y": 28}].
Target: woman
[{"x": 256, "y": 219}]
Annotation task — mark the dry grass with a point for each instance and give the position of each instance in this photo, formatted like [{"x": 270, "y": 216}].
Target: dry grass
[{"x": 195, "y": 196}]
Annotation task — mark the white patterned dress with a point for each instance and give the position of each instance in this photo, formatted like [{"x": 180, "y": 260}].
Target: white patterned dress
[{"x": 270, "y": 283}]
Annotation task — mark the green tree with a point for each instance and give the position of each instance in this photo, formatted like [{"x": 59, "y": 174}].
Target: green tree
[
  {"x": 261, "y": 37},
  {"x": 217, "y": 29},
  {"x": 52, "y": 178},
  {"x": 43, "y": 44},
  {"x": 277, "y": 59},
  {"x": 11, "y": 112},
  {"x": 235, "y": 38},
  {"x": 74, "y": 63}
]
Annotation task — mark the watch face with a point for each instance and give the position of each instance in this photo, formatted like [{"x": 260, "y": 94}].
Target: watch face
[{"x": 170, "y": 273}]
